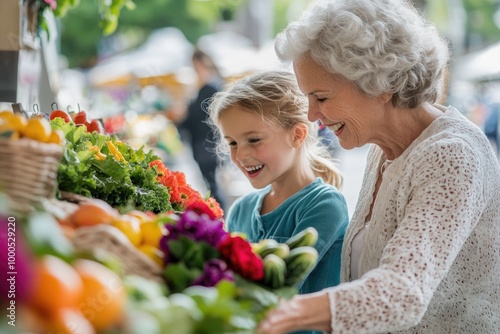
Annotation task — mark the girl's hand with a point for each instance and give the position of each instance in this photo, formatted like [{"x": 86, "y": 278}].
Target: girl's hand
[{"x": 310, "y": 311}]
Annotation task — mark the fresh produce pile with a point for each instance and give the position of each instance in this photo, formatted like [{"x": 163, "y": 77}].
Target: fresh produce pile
[
  {"x": 193, "y": 247},
  {"x": 288, "y": 264},
  {"x": 227, "y": 282},
  {"x": 212, "y": 281},
  {"x": 100, "y": 166},
  {"x": 200, "y": 278},
  {"x": 142, "y": 231},
  {"x": 56, "y": 289},
  {"x": 16, "y": 126}
]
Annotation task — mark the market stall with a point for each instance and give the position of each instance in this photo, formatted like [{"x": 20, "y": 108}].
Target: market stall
[
  {"x": 110, "y": 240},
  {"x": 100, "y": 235}
]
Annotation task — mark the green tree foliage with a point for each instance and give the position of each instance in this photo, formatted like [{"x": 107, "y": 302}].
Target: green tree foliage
[
  {"x": 80, "y": 34},
  {"x": 480, "y": 19},
  {"x": 80, "y": 31},
  {"x": 286, "y": 11}
]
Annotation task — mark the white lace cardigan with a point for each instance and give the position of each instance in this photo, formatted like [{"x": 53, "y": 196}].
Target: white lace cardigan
[{"x": 431, "y": 257}]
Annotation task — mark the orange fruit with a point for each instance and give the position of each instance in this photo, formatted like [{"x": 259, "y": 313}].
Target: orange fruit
[
  {"x": 4, "y": 112},
  {"x": 68, "y": 231},
  {"x": 130, "y": 226},
  {"x": 18, "y": 122},
  {"x": 152, "y": 232},
  {"x": 93, "y": 212},
  {"x": 37, "y": 129},
  {"x": 67, "y": 228},
  {"x": 153, "y": 253},
  {"x": 30, "y": 320},
  {"x": 56, "y": 285},
  {"x": 68, "y": 321},
  {"x": 7, "y": 130},
  {"x": 104, "y": 295}
]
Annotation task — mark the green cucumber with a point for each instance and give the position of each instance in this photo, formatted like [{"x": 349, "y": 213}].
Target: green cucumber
[
  {"x": 282, "y": 250},
  {"x": 299, "y": 264},
  {"x": 274, "y": 271},
  {"x": 307, "y": 237},
  {"x": 265, "y": 247}
]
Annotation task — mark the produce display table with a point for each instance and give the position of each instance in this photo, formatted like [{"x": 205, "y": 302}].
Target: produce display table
[{"x": 119, "y": 243}]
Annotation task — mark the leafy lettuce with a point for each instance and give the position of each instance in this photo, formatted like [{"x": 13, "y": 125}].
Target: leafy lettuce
[{"x": 124, "y": 185}]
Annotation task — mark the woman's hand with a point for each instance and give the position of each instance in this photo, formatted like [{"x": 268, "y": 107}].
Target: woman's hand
[{"x": 310, "y": 311}]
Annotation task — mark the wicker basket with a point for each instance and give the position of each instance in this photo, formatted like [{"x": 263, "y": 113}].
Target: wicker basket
[
  {"x": 112, "y": 240},
  {"x": 74, "y": 198},
  {"x": 28, "y": 171}
]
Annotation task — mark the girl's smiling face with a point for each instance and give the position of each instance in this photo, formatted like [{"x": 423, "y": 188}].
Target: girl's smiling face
[{"x": 262, "y": 151}]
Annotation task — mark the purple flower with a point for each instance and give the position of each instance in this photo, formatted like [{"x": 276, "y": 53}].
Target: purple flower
[
  {"x": 214, "y": 233},
  {"x": 214, "y": 271},
  {"x": 203, "y": 228},
  {"x": 191, "y": 225},
  {"x": 173, "y": 234},
  {"x": 196, "y": 227}
]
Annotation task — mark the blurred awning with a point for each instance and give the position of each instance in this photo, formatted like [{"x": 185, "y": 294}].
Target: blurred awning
[
  {"x": 165, "y": 51},
  {"x": 482, "y": 65},
  {"x": 235, "y": 55},
  {"x": 165, "y": 60}
]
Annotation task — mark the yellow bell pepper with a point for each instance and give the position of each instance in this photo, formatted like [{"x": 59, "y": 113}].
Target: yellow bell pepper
[
  {"x": 7, "y": 130},
  {"x": 98, "y": 154},
  {"x": 115, "y": 152}
]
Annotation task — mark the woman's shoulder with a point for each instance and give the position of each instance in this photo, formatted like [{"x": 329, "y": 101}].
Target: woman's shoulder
[
  {"x": 451, "y": 137},
  {"x": 453, "y": 127}
]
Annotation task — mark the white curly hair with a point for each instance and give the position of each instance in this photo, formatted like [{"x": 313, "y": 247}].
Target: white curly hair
[{"x": 379, "y": 45}]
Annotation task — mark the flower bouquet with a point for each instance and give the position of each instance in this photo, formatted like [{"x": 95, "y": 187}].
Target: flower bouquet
[
  {"x": 200, "y": 252},
  {"x": 210, "y": 265}
]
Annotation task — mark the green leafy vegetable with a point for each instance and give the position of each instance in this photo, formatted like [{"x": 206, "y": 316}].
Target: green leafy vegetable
[{"x": 124, "y": 185}]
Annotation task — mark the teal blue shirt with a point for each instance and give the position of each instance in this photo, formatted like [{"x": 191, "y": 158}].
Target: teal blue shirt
[{"x": 318, "y": 205}]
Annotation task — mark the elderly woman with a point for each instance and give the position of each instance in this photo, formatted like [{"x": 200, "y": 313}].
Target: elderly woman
[{"x": 421, "y": 254}]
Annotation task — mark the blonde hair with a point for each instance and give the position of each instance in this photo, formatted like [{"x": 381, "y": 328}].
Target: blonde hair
[{"x": 277, "y": 99}]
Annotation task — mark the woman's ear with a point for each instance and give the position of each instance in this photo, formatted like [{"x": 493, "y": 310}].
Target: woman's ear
[
  {"x": 299, "y": 134},
  {"x": 384, "y": 98}
]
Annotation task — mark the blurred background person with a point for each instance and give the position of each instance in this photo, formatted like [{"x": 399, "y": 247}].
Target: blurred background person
[
  {"x": 492, "y": 128},
  {"x": 330, "y": 141},
  {"x": 191, "y": 121}
]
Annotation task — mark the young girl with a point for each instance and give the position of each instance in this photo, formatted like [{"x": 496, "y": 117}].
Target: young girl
[{"x": 263, "y": 120}]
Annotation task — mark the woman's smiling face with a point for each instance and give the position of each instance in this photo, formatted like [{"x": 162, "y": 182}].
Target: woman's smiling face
[
  {"x": 349, "y": 113},
  {"x": 262, "y": 151}
]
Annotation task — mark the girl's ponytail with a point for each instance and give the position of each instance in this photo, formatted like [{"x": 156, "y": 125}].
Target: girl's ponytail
[{"x": 321, "y": 162}]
